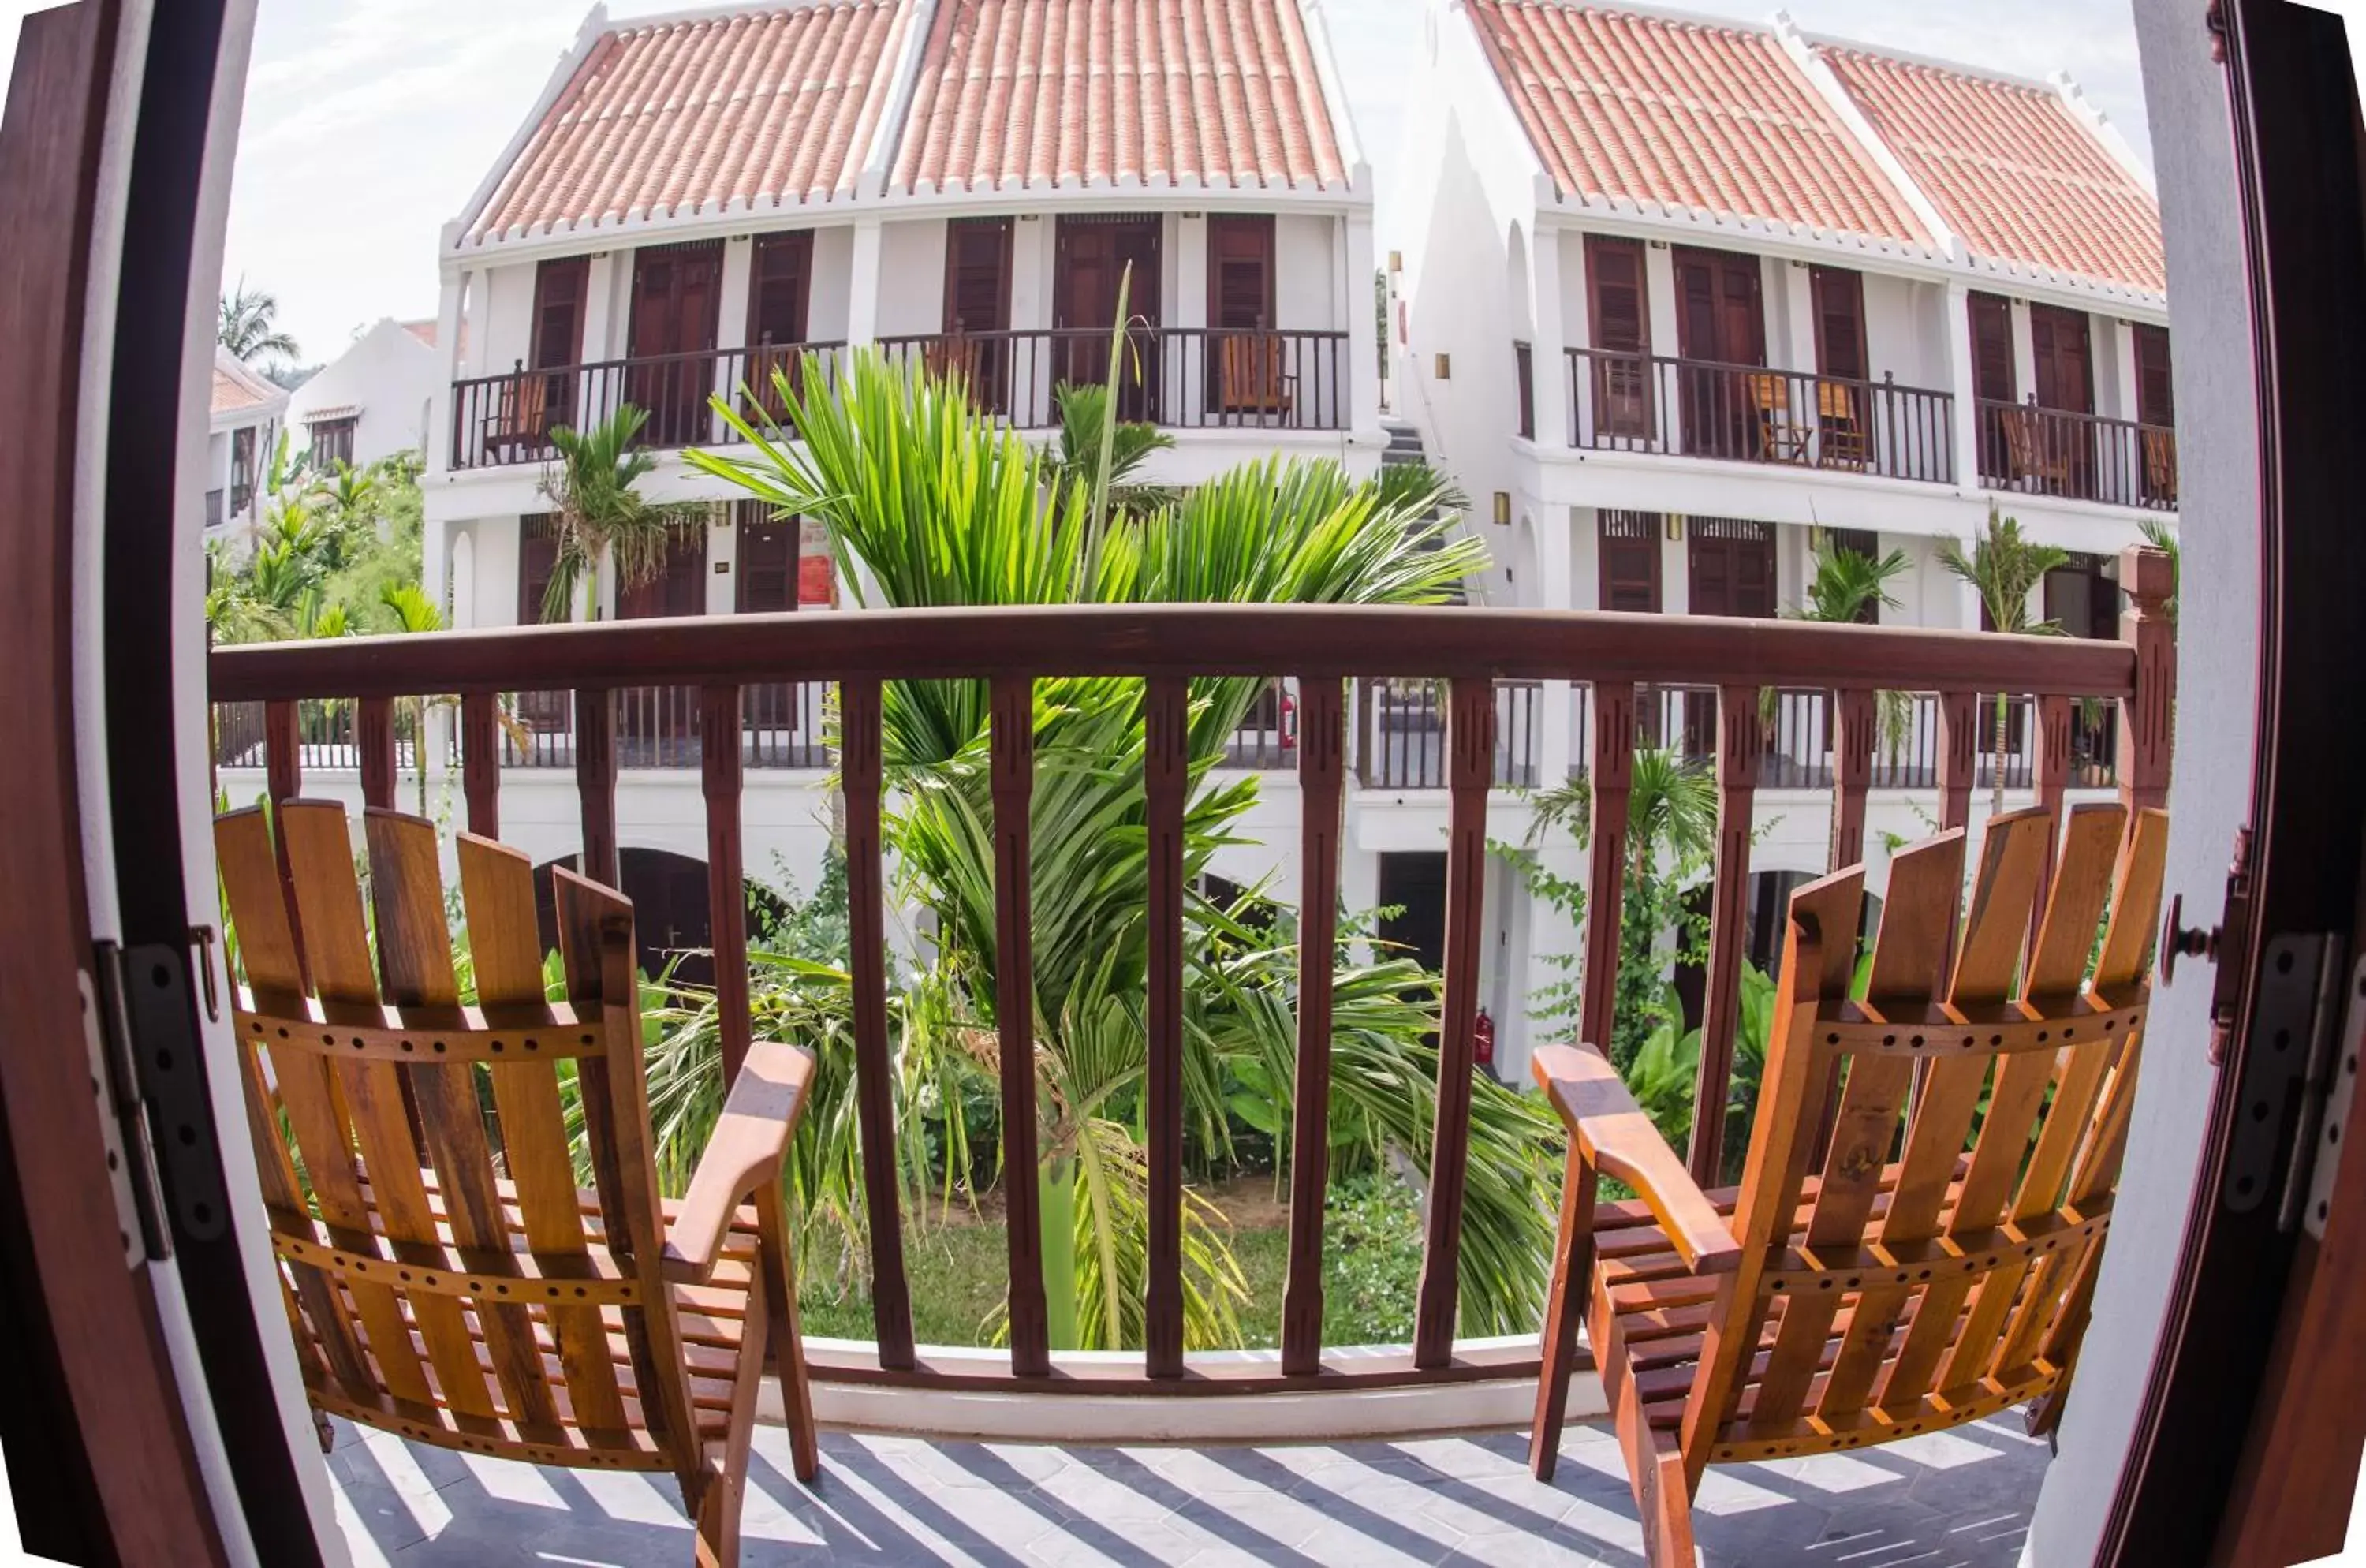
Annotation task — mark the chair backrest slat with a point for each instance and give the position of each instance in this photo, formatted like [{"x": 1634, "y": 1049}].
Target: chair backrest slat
[
  {"x": 497, "y": 894},
  {"x": 414, "y": 947},
  {"x": 329, "y": 911}
]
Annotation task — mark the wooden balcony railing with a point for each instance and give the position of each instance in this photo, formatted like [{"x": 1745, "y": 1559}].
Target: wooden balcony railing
[
  {"x": 1743, "y": 413},
  {"x": 508, "y": 418},
  {"x": 1473, "y": 653},
  {"x": 1181, "y": 378},
  {"x": 2081, "y": 455}
]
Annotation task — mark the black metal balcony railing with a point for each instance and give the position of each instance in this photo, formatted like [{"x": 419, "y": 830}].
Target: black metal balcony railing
[
  {"x": 2084, "y": 457},
  {"x": 1401, "y": 740},
  {"x": 1641, "y": 403},
  {"x": 508, "y": 418},
  {"x": 782, "y": 725},
  {"x": 1181, "y": 378}
]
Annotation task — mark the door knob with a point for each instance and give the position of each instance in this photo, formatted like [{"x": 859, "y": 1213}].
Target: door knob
[{"x": 2177, "y": 937}]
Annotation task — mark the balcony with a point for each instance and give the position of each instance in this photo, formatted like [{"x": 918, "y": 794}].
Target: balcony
[
  {"x": 2080, "y": 457},
  {"x": 1741, "y": 413},
  {"x": 1060, "y": 1472},
  {"x": 505, "y": 419},
  {"x": 1176, "y": 378}
]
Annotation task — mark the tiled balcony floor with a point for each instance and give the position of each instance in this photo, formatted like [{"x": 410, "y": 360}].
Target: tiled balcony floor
[{"x": 1961, "y": 1498}]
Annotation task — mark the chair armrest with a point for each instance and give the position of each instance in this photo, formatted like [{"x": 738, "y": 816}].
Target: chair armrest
[
  {"x": 1614, "y": 1135},
  {"x": 751, "y": 1140}
]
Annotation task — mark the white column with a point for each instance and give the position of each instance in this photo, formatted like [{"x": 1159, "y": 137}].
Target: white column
[
  {"x": 1963, "y": 383},
  {"x": 1185, "y": 365},
  {"x": 863, "y": 284},
  {"x": 477, "y": 287},
  {"x": 447, "y": 348},
  {"x": 604, "y": 336},
  {"x": 1799, "y": 315},
  {"x": 1355, "y": 243},
  {"x": 2025, "y": 353},
  {"x": 1676, "y": 571},
  {"x": 1555, "y": 739},
  {"x": 723, "y": 563},
  {"x": 1549, "y": 367},
  {"x": 1660, "y": 292}
]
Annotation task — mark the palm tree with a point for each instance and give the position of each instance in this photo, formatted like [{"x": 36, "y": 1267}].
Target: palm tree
[
  {"x": 603, "y": 518},
  {"x": 2004, "y": 568},
  {"x": 249, "y": 325},
  {"x": 1847, "y": 587},
  {"x": 928, "y": 502},
  {"x": 1085, "y": 428}
]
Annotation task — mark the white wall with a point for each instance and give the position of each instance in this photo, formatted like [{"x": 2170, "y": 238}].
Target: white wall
[
  {"x": 912, "y": 276},
  {"x": 391, "y": 377},
  {"x": 1306, "y": 272}
]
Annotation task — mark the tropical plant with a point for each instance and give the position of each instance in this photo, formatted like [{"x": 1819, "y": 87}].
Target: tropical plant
[
  {"x": 2005, "y": 567},
  {"x": 1084, "y": 424},
  {"x": 1417, "y": 477},
  {"x": 2163, "y": 538},
  {"x": 1844, "y": 586},
  {"x": 249, "y": 325},
  {"x": 604, "y": 522},
  {"x": 928, "y": 502}
]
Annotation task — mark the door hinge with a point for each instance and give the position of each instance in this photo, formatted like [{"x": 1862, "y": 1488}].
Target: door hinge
[
  {"x": 161, "y": 1103},
  {"x": 2323, "y": 1145},
  {"x": 2288, "y": 1059},
  {"x": 123, "y": 1118}
]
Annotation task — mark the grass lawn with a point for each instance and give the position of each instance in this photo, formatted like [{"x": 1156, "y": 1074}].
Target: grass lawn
[{"x": 959, "y": 1270}]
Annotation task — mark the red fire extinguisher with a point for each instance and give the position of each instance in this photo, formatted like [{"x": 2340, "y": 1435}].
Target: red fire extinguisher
[{"x": 1482, "y": 1042}]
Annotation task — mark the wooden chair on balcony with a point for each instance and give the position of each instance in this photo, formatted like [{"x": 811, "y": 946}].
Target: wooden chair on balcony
[
  {"x": 1782, "y": 436},
  {"x": 2160, "y": 466},
  {"x": 522, "y": 420},
  {"x": 1253, "y": 376},
  {"x": 2029, "y": 452},
  {"x": 1913, "y": 1274},
  {"x": 1839, "y": 426},
  {"x": 445, "y": 1278}
]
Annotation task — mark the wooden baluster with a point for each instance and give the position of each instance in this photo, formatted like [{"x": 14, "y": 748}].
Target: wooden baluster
[
  {"x": 1855, "y": 720},
  {"x": 1613, "y": 774},
  {"x": 2149, "y": 577},
  {"x": 1740, "y": 752},
  {"x": 283, "y": 776},
  {"x": 1471, "y": 755},
  {"x": 1013, "y": 764},
  {"x": 1321, "y": 734},
  {"x": 875, "y": 1088},
  {"x": 1166, "y": 768},
  {"x": 596, "y": 783},
  {"x": 727, "y": 896},
  {"x": 373, "y": 740},
  {"x": 480, "y": 761},
  {"x": 1961, "y": 716},
  {"x": 2050, "y": 778}
]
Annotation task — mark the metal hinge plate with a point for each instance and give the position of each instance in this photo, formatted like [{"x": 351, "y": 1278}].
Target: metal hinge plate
[
  {"x": 123, "y": 1128},
  {"x": 167, "y": 1058},
  {"x": 2287, "y": 1056},
  {"x": 2340, "y": 1092}
]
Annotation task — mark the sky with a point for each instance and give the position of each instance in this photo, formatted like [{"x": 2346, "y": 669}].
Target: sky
[{"x": 369, "y": 123}]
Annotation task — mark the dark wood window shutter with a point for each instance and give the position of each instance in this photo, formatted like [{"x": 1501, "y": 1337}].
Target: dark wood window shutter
[
  {"x": 559, "y": 287},
  {"x": 2155, "y": 389},
  {"x": 679, "y": 589},
  {"x": 1240, "y": 273},
  {"x": 779, "y": 283},
  {"x": 1992, "y": 347},
  {"x": 1840, "y": 321},
  {"x": 2060, "y": 354},
  {"x": 1629, "y": 561},
  {"x": 1731, "y": 562},
  {"x": 1524, "y": 365},
  {"x": 978, "y": 274},
  {"x": 537, "y": 559},
  {"x": 1614, "y": 275}
]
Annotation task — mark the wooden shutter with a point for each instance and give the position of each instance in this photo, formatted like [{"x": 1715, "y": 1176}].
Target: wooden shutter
[
  {"x": 1524, "y": 365},
  {"x": 1629, "y": 561},
  {"x": 1838, "y": 294},
  {"x": 779, "y": 283},
  {"x": 1240, "y": 273},
  {"x": 1614, "y": 277},
  {"x": 768, "y": 560},
  {"x": 2065, "y": 370},
  {"x": 1992, "y": 347},
  {"x": 978, "y": 274},
  {"x": 1731, "y": 562},
  {"x": 677, "y": 299},
  {"x": 2156, "y": 389},
  {"x": 558, "y": 292},
  {"x": 1721, "y": 311},
  {"x": 537, "y": 559},
  {"x": 678, "y": 590}
]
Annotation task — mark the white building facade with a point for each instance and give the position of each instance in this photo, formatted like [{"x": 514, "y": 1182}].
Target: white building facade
[
  {"x": 377, "y": 399},
  {"x": 248, "y": 412}
]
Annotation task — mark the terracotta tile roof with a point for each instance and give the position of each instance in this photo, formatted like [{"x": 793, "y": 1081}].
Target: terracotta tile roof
[
  {"x": 761, "y": 106},
  {"x": 423, "y": 330},
  {"x": 1683, "y": 114},
  {"x": 1040, "y": 92},
  {"x": 2009, "y": 168},
  {"x": 239, "y": 389}
]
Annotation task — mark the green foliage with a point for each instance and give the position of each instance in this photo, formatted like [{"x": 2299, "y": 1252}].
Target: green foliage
[
  {"x": 1846, "y": 583},
  {"x": 248, "y": 325},
  {"x": 1075, "y": 459},
  {"x": 2161, "y": 536},
  {"x": 603, "y": 519},
  {"x": 1416, "y": 482},
  {"x": 329, "y": 556},
  {"x": 1372, "y": 1261},
  {"x": 2005, "y": 567}
]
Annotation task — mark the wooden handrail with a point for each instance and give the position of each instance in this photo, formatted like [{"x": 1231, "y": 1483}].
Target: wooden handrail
[{"x": 1172, "y": 639}]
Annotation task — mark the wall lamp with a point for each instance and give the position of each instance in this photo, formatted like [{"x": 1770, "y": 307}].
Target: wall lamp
[{"x": 1503, "y": 508}]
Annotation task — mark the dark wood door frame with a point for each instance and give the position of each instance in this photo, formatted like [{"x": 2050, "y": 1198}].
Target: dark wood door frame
[
  {"x": 2250, "y": 1429},
  {"x": 102, "y": 1462}
]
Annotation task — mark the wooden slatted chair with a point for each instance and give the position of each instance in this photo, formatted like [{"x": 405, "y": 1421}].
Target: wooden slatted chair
[
  {"x": 1919, "y": 1274},
  {"x": 523, "y": 420},
  {"x": 1254, "y": 375},
  {"x": 449, "y": 1281},
  {"x": 1783, "y": 436},
  {"x": 2160, "y": 465},
  {"x": 1839, "y": 426},
  {"x": 2032, "y": 452}
]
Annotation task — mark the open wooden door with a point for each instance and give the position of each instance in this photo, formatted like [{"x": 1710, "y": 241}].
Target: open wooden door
[
  {"x": 1720, "y": 324},
  {"x": 1093, "y": 255}
]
